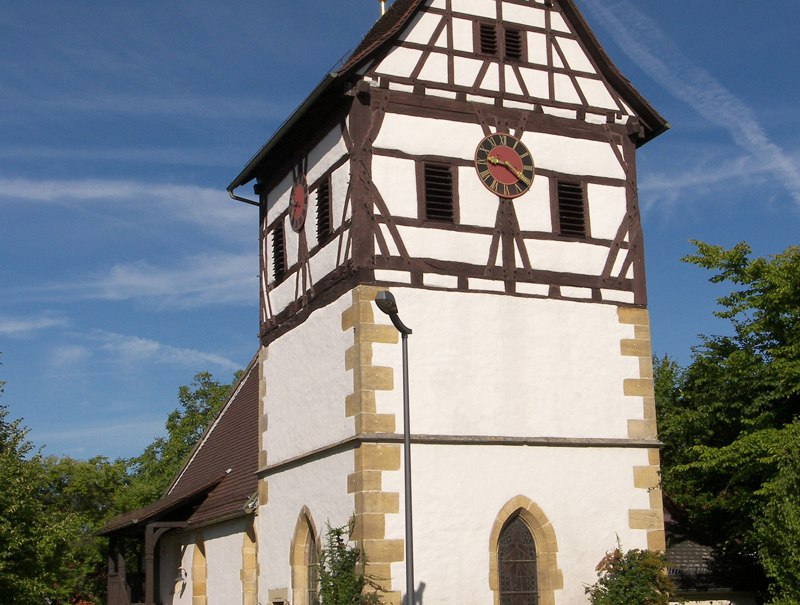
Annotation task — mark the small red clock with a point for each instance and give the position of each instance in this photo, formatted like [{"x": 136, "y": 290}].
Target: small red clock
[
  {"x": 298, "y": 205},
  {"x": 504, "y": 165}
]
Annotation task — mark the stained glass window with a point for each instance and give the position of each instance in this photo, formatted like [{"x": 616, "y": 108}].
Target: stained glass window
[{"x": 517, "y": 564}]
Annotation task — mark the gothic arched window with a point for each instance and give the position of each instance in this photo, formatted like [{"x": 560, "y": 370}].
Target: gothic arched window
[
  {"x": 312, "y": 569},
  {"x": 516, "y": 556}
]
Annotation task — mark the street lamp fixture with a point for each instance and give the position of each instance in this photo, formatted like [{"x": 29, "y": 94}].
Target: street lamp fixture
[{"x": 386, "y": 303}]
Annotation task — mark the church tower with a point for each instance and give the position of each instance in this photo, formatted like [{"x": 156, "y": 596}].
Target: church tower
[{"x": 477, "y": 159}]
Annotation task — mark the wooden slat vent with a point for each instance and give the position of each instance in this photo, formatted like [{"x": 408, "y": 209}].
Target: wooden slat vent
[
  {"x": 439, "y": 192},
  {"x": 571, "y": 209},
  {"x": 324, "y": 210},
  {"x": 513, "y": 42},
  {"x": 278, "y": 252},
  {"x": 488, "y": 39}
]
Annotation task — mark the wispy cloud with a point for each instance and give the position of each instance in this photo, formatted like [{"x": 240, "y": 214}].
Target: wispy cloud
[
  {"x": 22, "y": 326},
  {"x": 700, "y": 174},
  {"x": 128, "y": 438},
  {"x": 197, "y": 281},
  {"x": 645, "y": 43},
  {"x": 135, "y": 349},
  {"x": 201, "y": 206},
  {"x": 69, "y": 355},
  {"x": 184, "y": 107},
  {"x": 181, "y": 156}
]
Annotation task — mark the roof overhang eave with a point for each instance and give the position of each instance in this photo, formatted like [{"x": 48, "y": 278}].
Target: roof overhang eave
[{"x": 249, "y": 171}]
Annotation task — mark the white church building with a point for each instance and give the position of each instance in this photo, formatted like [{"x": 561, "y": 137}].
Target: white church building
[{"x": 477, "y": 159}]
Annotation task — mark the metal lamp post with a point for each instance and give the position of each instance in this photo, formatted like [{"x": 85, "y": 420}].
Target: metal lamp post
[{"x": 386, "y": 303}]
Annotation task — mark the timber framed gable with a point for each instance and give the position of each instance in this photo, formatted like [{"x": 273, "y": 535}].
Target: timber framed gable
[{"x": 426, "y": 84}]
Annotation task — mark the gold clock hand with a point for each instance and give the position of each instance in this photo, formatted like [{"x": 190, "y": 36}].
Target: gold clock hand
[
  {"x": 518, "y": 173},
  {"x": 493, "y": 159}
]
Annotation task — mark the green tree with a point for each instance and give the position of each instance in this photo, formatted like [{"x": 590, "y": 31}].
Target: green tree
[
  {"x": 34, "y": 539},
  {"x": 155, "y": 468},
  {"x": 87, "y": 489},
  {"x": 635, "y": 577},
  {"x": 726, "y": 420},
  {"x": 341, "y": 572}
]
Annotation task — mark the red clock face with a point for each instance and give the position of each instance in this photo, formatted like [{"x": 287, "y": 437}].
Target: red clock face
[
  {"x": 504, "y": 165},
  {"x": 298, "y": 205}
]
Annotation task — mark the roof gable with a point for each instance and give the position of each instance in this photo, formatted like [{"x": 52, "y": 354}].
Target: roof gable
[{"x": 418, "y": 44}]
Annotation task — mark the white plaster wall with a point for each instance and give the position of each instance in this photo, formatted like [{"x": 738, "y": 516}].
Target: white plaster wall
[
  {"x": 421, "y": 28},
  {"x": 607, "y": 206},
  {"x": 476, "y": 204},
  {"x": 322, "y": 487},
  {"x": 176, "y": 551},
  {"x": 573, "y": 156},
  {"x": 278, "y": 198},
  {"x": 490, "y": 364},
  {"x": 399, "y": 62},
  {"x": 340, "y": 184},
  {"x": 525, "y": 15},
  {"x": 533, "y": 208},
  {"x": 557, "y": 22},
  {"x": 457, "y": 140},
  {"x": 568, "y": 257},
  {"x": 465, "y": 71},
  {"x": 325, "y": 154},
  {"x": 596, "y": 93},
  {"x": 576, "y": 58},
  {"x": 444, "y": 244},
  {"x": 435, "y": 68},
  {"x": 459, "y": 490},
  {"x": 462, "y": 35},
  {"x": 324, "y": 261},
  {"x": 537, "y": 48},
  {"x": 565, "y": 90},
  {"x": 223, "y": 544},
  {"x": 306, "y": 385},
  {"x": 396, "y": 180},
  {"x": 480, "y": 8},
  {"x": 439, "y": 137},
  {"x": 282, "y": 295},
  {"x": 536, "y": 81}
]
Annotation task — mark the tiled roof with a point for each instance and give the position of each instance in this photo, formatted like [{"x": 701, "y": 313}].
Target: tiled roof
[
  {"x": 220, "y": 475},
  {"x": 230, "y": 443},
  {"x": 384, "y": 29}
]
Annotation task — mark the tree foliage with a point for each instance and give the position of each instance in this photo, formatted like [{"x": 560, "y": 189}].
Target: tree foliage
[
  {"x": 729, "y": 419},
  {"x": 341, "y": 571},
  {"x": 153, "y": 470},
  {"x": 51, "y": 507},
  {"x": 35, "y": 540},
  {"x": 635, "y": 577}
]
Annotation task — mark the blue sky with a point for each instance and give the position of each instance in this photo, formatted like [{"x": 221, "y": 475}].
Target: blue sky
[{"x": 125, "y": 269}]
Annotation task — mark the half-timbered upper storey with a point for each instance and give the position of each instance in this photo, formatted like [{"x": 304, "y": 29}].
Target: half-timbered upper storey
[{"x": 480, "y": 145}]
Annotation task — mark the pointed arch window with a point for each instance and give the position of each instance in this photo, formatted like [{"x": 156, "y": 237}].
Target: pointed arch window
[
  {"x": 517, "y": 564},
  {"x": 304, "y": 559},
  {"x": 312, "y": 570}
]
